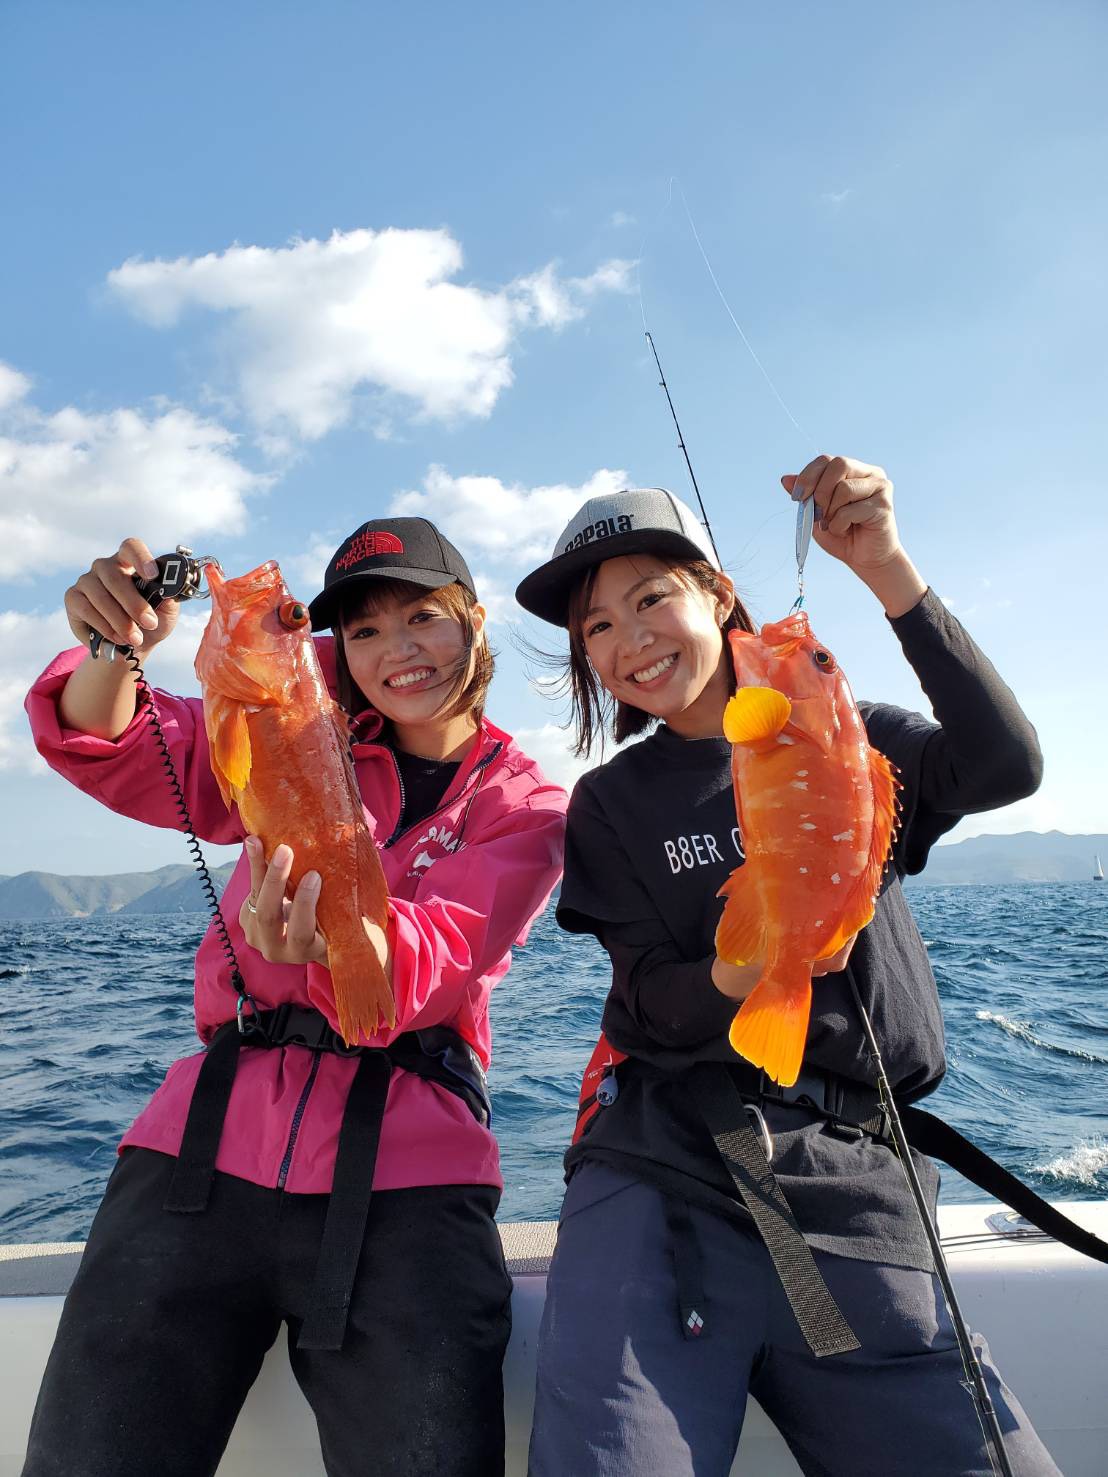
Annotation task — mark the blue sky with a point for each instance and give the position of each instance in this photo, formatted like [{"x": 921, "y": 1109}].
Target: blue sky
[{"x": 268, "y": 273}]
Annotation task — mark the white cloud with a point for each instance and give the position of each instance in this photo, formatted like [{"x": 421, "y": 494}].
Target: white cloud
[
  {"x": 305, "y": 571},
  {"x": 27, "y": 643},
  {"x": 550, "y": 746},
  {"x": 13, "y": 385},
  {"x": 621, "y": 218},
  {"x": 315, "y": 322},
  {"x": 505, "y": 522},
  {"x": 836, "y": 198},
  {"x": 498, "y": 599},
  {"x": 30, "y": 640},
  {"x": 73, "y": 484}
]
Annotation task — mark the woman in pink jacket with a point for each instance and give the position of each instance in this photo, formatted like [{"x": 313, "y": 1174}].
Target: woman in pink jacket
[{"x": 279, "y": 1177}]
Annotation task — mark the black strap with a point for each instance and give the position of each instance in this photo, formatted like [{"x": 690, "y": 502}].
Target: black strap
[
  {"x": 348, "y": 1206},
  {"x": 930, "y": 1135},
  {"x": 191, "y": 1185},
  {"x": 821, "y": 1322},
  {"x": 688, "y": 1266}
]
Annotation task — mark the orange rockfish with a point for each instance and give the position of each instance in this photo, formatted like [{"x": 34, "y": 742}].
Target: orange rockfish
[
  {"x": 280, "y": 751},
  {"x": 816, "y": 811}
]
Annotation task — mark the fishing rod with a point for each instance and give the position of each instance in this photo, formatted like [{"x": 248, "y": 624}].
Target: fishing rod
[
  {"x": 971, "y": 1362},
  {"x": 684, "y": 448},
  {"x": 975, "y": 1376}
]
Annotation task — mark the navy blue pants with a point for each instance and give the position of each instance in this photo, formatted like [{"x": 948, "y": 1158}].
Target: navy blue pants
[
  {"x": 168, "y": 1320},
  {"x": 621, "y": 1392}
]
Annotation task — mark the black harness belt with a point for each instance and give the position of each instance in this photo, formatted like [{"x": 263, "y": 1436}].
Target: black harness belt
[
  {"x": 852, "y": 1105},
  {"x": 726, "y": 1098},
  {"x": 437, "y": 1054},
  {"x": 744, "y": 1153}
]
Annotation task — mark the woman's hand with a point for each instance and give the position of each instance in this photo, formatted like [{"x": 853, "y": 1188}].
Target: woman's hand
[
  {"x": 837, "y": 961},
  {"x": 105, "y": 599},
  {"x": 283, "y": 930},
  {"x": 855, "y": 523},
  {"x": 737, "y": 980}
]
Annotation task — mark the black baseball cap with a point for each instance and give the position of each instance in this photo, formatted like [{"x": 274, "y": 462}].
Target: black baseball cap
[
  {"x": 393, "y": 549},
  {"x": 640, "y": 520}
]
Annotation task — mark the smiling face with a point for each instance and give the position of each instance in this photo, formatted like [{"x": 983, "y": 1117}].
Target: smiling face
[
  {"x": 408, "y": 652},
  {"x": 654, "y": 641}
]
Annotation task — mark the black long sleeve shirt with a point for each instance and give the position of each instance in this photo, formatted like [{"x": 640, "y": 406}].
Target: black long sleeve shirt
[{"x": 651, "y": 837}]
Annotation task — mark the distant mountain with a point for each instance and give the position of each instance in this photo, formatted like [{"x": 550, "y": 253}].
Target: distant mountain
[
  {"x": 173, "y": 889},
  {"x": 1027, "y": 856}
]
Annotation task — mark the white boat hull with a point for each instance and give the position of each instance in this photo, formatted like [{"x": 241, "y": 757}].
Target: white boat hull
[{"x": 1043, "y": 1309}]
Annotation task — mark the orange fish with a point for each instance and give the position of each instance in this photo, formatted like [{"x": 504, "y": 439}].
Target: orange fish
[
  {"x": 816, "y": 810},
  {"x": 280, "y": 751}
]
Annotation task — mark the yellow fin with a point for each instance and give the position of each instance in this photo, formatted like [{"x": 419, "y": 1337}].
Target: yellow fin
[
  {"x": 755, "y": 714},
  {"x": 231, "y": 753},
  {"x": 741, "y": 933}
]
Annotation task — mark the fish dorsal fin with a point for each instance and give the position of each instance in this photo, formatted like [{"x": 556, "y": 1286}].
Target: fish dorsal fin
[
  {"x": 231, "y": 752},
  {"x": 860, "y": 905},
  {"x": 741, "y": 933},
  {"x": 755, "y": 715}
]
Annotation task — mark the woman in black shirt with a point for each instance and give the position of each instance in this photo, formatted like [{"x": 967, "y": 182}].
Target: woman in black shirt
[{"x": 664, "y": 1305}]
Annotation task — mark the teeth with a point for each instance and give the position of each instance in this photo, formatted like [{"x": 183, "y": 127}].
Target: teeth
[
  {"x": 407, "y": 678},
  {"x": 649, "y": 673}
]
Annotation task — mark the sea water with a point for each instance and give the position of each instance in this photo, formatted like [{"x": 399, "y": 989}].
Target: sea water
[{"x": 93, "y": 1010}]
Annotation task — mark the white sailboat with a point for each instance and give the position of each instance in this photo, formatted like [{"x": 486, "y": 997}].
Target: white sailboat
[{"x": 1098, "y": 870}]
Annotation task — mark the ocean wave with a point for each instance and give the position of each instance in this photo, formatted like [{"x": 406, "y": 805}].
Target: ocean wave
[
  {"x": 1085, "y": 1165},
  {"x": 1023, "y": 1032}
]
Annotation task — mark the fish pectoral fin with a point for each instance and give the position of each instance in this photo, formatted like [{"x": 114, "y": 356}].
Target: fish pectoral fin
[
  {"x": 755, "y": 714},
  {"x": 741, "y": 932},
  {"x": 231, "y": 752},
  {"x": 771, "y": 1028}
]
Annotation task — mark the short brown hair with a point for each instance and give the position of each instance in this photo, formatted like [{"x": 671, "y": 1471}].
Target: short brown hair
[
  {"x": 473, "y": 672},
  {"x": 593, "y": 709}
]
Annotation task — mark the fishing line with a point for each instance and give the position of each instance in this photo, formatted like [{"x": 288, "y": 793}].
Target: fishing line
[
  {"x": 974, "y": 1382},
  {"x": 749, "y": 346},
  {"x": 806, "y": 511},
  {"x": 975, "y": 1376}
]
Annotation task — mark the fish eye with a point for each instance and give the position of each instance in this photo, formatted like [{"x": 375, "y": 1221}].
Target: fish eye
[
  {"x": 293, "y": 615},
  {"x": 824, "y": 659}
]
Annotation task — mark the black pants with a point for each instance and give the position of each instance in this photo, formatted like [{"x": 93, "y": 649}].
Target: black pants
[{"x": 169, "y": 1317}]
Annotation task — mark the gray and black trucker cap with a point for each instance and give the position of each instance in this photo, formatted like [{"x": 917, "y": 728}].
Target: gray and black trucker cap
[
  {"x": 388, "y": 548},
  {"x": 642, "y": 520}
]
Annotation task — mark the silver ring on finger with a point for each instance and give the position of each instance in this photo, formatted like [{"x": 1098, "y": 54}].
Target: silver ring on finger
[{"x": 251, "y": 904}]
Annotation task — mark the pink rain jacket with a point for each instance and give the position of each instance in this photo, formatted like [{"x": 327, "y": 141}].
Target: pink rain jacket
[{"x": 465, "y": 885}]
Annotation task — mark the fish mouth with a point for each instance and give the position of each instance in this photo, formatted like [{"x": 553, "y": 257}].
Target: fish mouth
[
  {"x": 411, "y": 677},
  {"x": 647, "y": 676}
]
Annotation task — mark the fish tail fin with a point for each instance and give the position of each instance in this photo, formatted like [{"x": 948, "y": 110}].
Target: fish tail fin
[
  {"x": 771, "y": 1027},
  {"x": 363, "y": 996}
]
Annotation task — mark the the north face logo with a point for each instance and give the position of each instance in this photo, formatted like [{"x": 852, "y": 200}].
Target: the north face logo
[{"x": 369, "y": 546}]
